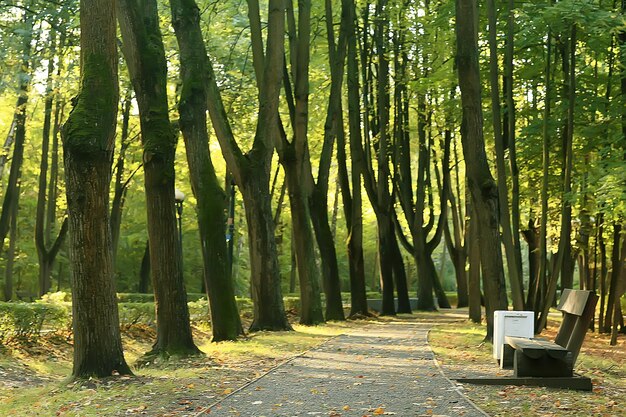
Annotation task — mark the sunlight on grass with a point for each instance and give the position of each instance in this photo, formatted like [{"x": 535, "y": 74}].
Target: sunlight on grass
[{"x": 183, "y": 383}]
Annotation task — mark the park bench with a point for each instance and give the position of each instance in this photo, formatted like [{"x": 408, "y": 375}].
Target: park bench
[{"x": 540, "y": 362}]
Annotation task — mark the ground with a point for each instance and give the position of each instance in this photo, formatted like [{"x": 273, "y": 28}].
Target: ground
[{"x": 32, "y": 374}]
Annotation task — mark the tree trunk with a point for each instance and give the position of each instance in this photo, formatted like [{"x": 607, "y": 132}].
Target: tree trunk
[
  {"x": 210, "y": 197},
  {"x": 145, "y": 57},
  {"x": 353, "y": 204},
  {"x": 251, "y": 171},
  {"x": 269, "y": 314},
  {"x": 120, "y": 187},
  {"x": 46, "y": 255},
  {"x": 295, "y": 158},
  {"x": 19, "y": 130},
  {"x": 144, "y": 270},
  {"x": 563, "y": 263},
  {"x": 620, "y": 289},
  {"x": 614, "y": 290},
  {"x": 474, "y": 292},
  {"x": 481, "y": 184},
  {"x": 88, "y": 142},
  {"x": 9, "y": 269},
  {"x": 318, "y": 202},
  {"x": 514, "y": 268},
  {"x": 534, "y": 293},
  {"x": 603, "y": 272}
]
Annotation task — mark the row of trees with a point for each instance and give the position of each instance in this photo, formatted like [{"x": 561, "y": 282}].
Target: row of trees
[{"x": 404, "y": 96}]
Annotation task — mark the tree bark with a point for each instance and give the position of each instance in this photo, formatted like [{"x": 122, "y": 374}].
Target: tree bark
[
  {"x": 251, "y": 171},
  {"x": 482, "y": 186},
  {"x": 145, "y": 57},
  {"x": 353, "y": 203},
  {"x": 211, "y": 198},
  {"x": 18, "y": 128},
  {"x": 514, "y": 268},
  {"x": 474, "y": 292},
  {"x": 294, "y": 157},
  {"x": 121, "y": 186},
  {"x": 564, "y": 260},
  {"x": 88, "y": 142},
  {"x": 535, "y": 291}
]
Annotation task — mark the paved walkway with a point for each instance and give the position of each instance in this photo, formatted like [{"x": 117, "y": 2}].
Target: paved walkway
[{"x": 382, "y": 369}]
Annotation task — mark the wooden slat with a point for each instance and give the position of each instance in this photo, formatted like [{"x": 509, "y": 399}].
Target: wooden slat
[{"x": 573, "y": 301}]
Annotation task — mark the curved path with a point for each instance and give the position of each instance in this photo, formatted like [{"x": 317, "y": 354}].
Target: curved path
[{"x": 380, "y": 369}]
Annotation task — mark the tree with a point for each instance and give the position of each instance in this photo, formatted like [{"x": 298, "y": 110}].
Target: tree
[
  {"x": 211, "y": 198},
  {"x": 511, "y": 244},
  {"x": 483, "y": 189},
  {"x": 88, "y": 142},
  {"x": 294, "y": 156},
  {"x": 145, "y": 58},
  {"x": 251, "y": 171},
  {"x": 47, "y": 254},
  {"x": 353, "y": 201}
]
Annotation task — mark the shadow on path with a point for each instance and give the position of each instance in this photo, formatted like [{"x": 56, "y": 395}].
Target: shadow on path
[{"x": 376, "y": 370}]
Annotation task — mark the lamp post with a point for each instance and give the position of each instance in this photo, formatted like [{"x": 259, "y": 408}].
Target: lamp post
[
  {"x": 230, "y": 232},
  {"x": 179, "y": 197}
]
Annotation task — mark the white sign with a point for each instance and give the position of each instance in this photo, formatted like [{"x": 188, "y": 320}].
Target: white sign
[{"x": 511, "y": 323}]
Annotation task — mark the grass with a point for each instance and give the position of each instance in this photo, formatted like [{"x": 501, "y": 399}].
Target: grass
[
  {"x": 173, "y": 388},
  {"x": 33, "y": 376},
  {"x": 459, "y": 348}
]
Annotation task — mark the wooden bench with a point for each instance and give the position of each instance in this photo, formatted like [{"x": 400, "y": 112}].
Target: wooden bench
[
  {"x": 539, "y": 362},
  {"x": 543, "y": 358}
]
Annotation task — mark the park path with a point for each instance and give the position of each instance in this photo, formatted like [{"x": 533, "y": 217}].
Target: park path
[{"x": 379, "y": 369}]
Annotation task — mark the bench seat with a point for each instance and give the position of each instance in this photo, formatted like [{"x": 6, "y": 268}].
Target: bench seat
[{"x": 537, "y": 358}]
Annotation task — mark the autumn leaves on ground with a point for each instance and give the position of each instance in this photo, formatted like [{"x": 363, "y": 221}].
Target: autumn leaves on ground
[{"x": 32, "y": 374}]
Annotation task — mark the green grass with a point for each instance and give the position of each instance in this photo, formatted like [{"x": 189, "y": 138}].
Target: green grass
[
  {"x": 158, "y": 388},
  {"x": 461, "y": 345}
]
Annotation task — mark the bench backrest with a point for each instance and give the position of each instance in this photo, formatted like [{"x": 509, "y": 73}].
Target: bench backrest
[{"x": 578, "y": 308}]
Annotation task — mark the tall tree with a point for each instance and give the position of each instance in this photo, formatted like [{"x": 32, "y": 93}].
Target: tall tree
[
  {"x": 251, "y": 171},
  {"x": 88, "y": 142},
  {"x": 510, "y": 244},
  {"x": 294, "y": 157},
  {"x": 318, "y": 201},
  {"x": 353, "y": 201},
  {"x": 211, "y": 198},
  {"x": 18, "y": 127},
  {"x": 45, "y": 253},
  {"x": 145, "y": 57},
  {"x": 483, "y": 188}
]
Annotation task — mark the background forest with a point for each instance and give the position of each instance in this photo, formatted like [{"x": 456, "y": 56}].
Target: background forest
[{"x": 377, "y": 153}]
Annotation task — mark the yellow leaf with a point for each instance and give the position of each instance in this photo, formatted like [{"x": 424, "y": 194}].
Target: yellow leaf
[
  {"x": 379, "y": 411},
  {"x": 191, "y": 386},
  {"x": 227, "y": 391},
  {"x": 346, "y": 407}
]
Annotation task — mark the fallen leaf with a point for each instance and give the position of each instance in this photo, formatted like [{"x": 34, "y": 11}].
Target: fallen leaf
[
  {"x": 346, "y": 407},
  {"x": 379, "y": 411}
]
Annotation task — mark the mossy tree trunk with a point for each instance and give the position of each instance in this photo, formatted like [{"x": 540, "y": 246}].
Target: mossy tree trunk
[
  {"x": 211, "y": 198},
  {"x": 294, "y": 156},
  {"x": 483, "y": 188},
  {"x": 88, "y": 142},
  {"x": 145, "y": 57},
  {"x": 251, "y": 171}
]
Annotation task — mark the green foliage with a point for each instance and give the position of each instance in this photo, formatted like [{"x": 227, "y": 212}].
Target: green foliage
[
  {"x": 27, "y": 320},
  {"x": 149, "y": 298},
  {"x": 133, "y": 313}
]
